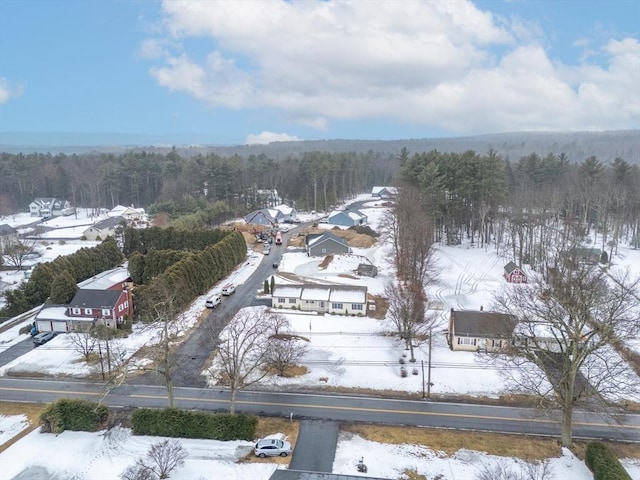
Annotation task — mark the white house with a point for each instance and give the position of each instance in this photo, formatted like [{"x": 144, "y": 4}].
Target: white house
[
  {"x": 288, "y": 213},
  {"x": 336, "y": 299},
  {"x": 105, "y": 228},
  {"x": 128, "y": 213},
  {"x": 48, "y": 207}
]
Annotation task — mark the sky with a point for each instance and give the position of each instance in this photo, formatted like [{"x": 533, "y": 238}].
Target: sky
[{"x": 236, "y": 72}]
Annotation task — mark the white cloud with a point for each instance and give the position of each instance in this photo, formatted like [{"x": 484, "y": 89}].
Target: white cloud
[
  {"x": 267, "y": 137},
  {"x": 9, "y": 90},
  {"x": 426, "y": 63}
]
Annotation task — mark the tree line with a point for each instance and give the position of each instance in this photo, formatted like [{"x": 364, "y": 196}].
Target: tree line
[
  {"x": 526, "y": 205},
  {"x": 181, "y": 185}
]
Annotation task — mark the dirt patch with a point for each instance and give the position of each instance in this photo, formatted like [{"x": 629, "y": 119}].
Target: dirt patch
[
  {"x": 326, "y": 262},
  {"x": 353, "y": 238},
  {"x": 381, "y": 304}
]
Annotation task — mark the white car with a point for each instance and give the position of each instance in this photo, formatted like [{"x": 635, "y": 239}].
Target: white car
[
  {"x": 228, "y": 289},
  {"x": 272, "y": 447},
  {"x": 213, "y": 301}
]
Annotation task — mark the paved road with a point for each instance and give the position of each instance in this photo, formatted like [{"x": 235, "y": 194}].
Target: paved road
[{"x": 334, "y": 408}]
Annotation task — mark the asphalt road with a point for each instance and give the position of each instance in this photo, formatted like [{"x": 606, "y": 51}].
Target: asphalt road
[{"x": 338, "y": 408}]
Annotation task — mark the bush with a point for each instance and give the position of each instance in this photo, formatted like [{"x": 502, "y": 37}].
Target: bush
[
  {"x": 604, "y": 464},
  {"x": 172, "y": 422},
  {"x": 72, "y": 414}
]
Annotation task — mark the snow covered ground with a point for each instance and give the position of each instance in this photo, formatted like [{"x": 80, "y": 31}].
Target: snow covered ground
[{"x": 347, "y": 351}]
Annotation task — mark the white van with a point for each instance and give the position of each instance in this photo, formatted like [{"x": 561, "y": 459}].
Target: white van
[
  {"x": 228, "y": 289},
  {"x": 213, "y": 301}
]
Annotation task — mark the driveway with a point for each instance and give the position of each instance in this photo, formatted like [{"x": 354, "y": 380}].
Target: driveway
[{"x": 316, "y": 446}]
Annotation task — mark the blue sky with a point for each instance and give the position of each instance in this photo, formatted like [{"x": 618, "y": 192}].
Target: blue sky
[{"x": 237, "y": 72}]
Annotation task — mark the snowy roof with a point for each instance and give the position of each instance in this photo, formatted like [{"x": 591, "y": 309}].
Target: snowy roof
[
  {"x": 53, "y": 312},
  {"x": 106, "y": 280},
  {"x": 284, "y": 209},
  {"x": 353, "y": 294},
  {"x": 287, "y": 291},
  {"x": 6, "y": 229},
  {"x": 353, "y": 214},
  {"x": 107, "y": 223},
  {"x": 332, "y": 293},
  {"x": 315, "y": 293}
]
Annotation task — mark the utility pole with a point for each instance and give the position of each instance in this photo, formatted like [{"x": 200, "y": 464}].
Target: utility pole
[
  {"x": 423, "y": 394},
  {"x": 429, "y": 370}
]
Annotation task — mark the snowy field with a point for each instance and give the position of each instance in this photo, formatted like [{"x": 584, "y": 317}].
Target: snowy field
[{"x": 347, "y": 351}]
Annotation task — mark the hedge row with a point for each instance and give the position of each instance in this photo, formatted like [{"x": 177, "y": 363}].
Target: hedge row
[
  {"x": 155, "y": 238},
  {"x": 604, "y": 464},
  {"x": 172, "y": 422},
  {"x": 191, "y": 276},
  {"x": 78, "y": 415}
]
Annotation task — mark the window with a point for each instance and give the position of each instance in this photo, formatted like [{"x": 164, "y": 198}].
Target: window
[
  {"x": 106, "y": 312},
  {"x": 281, "y": 300},
  {"x": 309, "y": 302},
  {"x": 292, "y": 300},
  {"x": 357, "y": 306},
  {"x": 87, "y": 311},
  {"x": 466, "y": 341},
  {"x": 496, "y": 343},
  {"x": 75, "y": 311},
  {"x": 337, "y": 306}
]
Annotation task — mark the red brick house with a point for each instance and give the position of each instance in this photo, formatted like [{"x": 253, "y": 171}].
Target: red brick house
[{"x": 514, "y": 274}]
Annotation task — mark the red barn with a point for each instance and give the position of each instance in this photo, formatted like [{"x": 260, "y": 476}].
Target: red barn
[{"x": 514, "y": 274}]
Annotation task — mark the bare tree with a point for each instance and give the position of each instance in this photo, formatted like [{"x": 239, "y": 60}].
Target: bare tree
[
  {"x": 285, "y": 351},
  {"x": 15, "y": 254},
  {"x": 498, "y": 471},
  {"x": 162, "y": 458},
  {"x": 410, "y": 231},
  {"x": 563, "y": 347},
  {"x": 83, "y": 340},
  {"x": 407, "y": 312},
  {"x": 242, "y": 355}
]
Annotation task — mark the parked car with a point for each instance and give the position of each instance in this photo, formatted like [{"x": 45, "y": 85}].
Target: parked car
[
  {"x": 228, "y": 289},
  {"x": 43, "y": 337},
  {"x": 267, "y": 250},
  {"x": 213, "y": 301},
  {"x": 284, "y": 229},
  {"x": 276, "y": 264},
  {"x": 272, "y": 447}
]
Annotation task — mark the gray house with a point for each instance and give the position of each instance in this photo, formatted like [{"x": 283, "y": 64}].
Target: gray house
[
  {"x": 347, "y": 218},
  {"x": 8, "y": 237},
  {"x": 321, "y": 244},
  {"x": 384, "y": 192},
  {"x": 266, "y": 216}
]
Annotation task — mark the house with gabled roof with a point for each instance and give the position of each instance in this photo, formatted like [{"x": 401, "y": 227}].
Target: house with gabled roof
[
  {"x": 384, "y": 192},
  {"x": 265, "y": 217},
  {"x": 514, "y": 274},
  {"x": 88, "y": 307},
  {"x": 477, "y": 330},
  {"x": 336, "y": 299},
  {"x": 128, "y": 213},
  {"x": 47, "y": 207},
  {"x": 103, "y": 229},
  {"x": 288, "y": 213},
  {"x": 347, "y": 218},
  {"x": 321, "y": 244}
]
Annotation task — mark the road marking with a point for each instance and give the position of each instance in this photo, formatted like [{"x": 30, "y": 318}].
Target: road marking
[
  {"x": 65, "y": 392},
  {"x": 383, "y": 410}
]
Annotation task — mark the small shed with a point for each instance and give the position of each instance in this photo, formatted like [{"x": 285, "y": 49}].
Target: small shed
[
  {"x": 514, "y": 274},
  {"x": 367, "y": 270}
]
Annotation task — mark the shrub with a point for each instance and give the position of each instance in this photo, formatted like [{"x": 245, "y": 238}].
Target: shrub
[
  {"x": 604, "y": 464},
  {"x": 403, "y": 372},
  {"x": 72, "y": 414},
  {"x": 172, "y": 422}
]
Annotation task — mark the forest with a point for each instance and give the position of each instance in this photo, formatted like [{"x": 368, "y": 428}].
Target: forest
[
  {"x": 523, "y": 204},
  {"x": 180, "y": 185}
]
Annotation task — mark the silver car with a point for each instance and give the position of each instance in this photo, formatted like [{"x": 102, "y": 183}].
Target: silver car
[
  {"x": 43, "y": 337},
  {"x": 272, "y": 447}
]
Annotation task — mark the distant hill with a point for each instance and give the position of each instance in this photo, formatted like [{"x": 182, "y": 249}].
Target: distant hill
[{"x": 576, "y": 145}]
